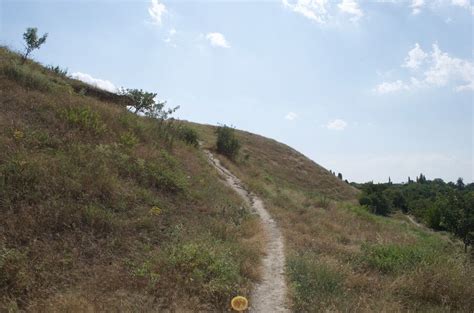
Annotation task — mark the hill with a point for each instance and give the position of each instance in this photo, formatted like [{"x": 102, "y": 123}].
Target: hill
[
  {"x": 341, "y": 257},
  {"x": 103, "y": 210}
]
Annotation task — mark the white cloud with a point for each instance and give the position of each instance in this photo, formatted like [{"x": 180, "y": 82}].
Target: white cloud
[
  {"x": 96, "y": 82},
  {"x": 315, "y": 10},
  {"x": 217, "y": 40},
  {"x": 416, "y": 6},
  {"x": 351, "y": 7},
  {"x": 170, "y": 38},
  {"x": 463, "y": 4},
  {"x": 388, "y": 87},
  {"x": 445, "y": 68},
  {"x": 336, "y": 124},
  {"x": 291, "y": 116},
  {"x": 441, "y": 70},
  {"x": 415, "y": 57},
  {"x": 156, "y": 11}
]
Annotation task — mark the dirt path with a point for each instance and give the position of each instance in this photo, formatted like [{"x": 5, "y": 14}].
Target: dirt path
[
  {"x": 270, "y": 294},
  {"x": 412, "y": 220}
]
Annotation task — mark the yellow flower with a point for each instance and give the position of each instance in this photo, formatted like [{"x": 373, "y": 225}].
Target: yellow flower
[
  {"x": 18, "y": 134},
  {"x": 155, "y": 211}
]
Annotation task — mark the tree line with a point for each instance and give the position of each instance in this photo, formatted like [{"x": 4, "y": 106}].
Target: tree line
[{"x": 439, "y": 205}]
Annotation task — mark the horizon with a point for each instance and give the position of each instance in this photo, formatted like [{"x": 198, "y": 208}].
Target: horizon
[{"x": 390, "y": 95}]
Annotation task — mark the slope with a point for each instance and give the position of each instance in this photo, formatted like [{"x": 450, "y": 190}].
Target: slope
[
  {"x": 340, "y": 257},
  {"x": 105, "y": 211}
]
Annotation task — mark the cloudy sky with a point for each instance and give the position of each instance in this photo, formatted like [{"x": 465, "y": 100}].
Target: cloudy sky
[{"x": 370, "y": 89}]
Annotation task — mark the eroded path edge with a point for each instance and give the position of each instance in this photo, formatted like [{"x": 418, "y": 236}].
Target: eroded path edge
[{"x": 270, "y": 295}]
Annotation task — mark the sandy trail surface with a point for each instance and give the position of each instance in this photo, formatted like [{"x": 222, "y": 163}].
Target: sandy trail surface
[{"x": 269, "y": 296}]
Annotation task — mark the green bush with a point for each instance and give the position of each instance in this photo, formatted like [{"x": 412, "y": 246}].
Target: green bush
[
  {"x": 227, "y": 144},
  {"x": 208, "y": 271},
  {"x": 189, "y": 136},
  {"x": 26, "y": 77},
  {"x": 313, "y": 283},
  {"x": 58, "y": 70},
  {"x": 84, "y": 118},
  {"x": 129, "y": 140}
]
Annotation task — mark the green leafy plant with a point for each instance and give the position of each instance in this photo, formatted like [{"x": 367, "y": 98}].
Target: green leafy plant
[
  {"x": 32, "y": 41},
  {"x": 227, "y": 143}
]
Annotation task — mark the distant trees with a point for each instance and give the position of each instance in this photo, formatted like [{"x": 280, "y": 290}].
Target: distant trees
[
  {"x": 227, "y": 144},
  {"x": 421, "y": 179},
  {"x": 440, "y": 205},
  {"x": 374, "y": 198},
  {"x": 339, "y": 175},
  {"x": 32, "y": 41},
  {"x": 144, "y": 102}
]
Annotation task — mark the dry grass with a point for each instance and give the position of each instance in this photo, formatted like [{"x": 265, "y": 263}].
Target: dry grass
[
  {"x": 340, "y": 257},
  {"x": 102, "y": 211}
]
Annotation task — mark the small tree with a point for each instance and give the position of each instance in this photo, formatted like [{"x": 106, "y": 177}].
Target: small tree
[
  {"x": 144, "y": 102},
  {"x": 339, "y": 175},
  {"x": 32, "y": 41},
  {"x": 227, "y": 144}
]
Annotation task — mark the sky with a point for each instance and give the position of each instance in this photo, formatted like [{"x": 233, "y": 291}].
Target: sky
[{"x": 371, "y": 89}]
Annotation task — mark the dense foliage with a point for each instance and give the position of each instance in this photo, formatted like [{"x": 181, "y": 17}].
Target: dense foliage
[
  {"x": 227, "y": 144},
  {"x": 440, "y": 205}
]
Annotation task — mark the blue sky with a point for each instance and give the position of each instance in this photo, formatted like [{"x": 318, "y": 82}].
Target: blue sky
[{"x": 370, "y": 89}]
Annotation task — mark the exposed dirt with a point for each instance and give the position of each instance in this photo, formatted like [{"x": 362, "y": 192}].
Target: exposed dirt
[{"x": 270, "y": 294}]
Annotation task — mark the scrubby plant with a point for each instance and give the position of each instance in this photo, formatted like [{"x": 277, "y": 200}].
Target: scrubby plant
[
  {"x": 32, "y": 41},
  {"x": 227, "y": 143},
  {"x": 27, "y": 77},
  {"x": 84, "y": 118},
  {"x": 144, "y": 102},
  {"x": 189, "y": 135},
  {"x": 58, "y": 70}
]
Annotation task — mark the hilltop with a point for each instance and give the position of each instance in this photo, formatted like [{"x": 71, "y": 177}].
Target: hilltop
[{"x": 104, "y": 210}]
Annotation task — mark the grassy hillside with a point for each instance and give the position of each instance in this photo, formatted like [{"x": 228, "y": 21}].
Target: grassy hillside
[
  {"x": 340, "y": 257},
  {"x": 102, "y": 210}
]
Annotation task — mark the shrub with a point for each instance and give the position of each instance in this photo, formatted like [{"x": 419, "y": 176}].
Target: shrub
[
  {"x": 26, "y": 77},
  {"x": 189, "y": 136},
  {"x": 58, "y": 70},
  {"x": 377, "y": 202},
  {"x": 227, "y": 144},
  {"x": 128, "y": 140},
  {"x": 204, "y": 270},
  {"x": 84, "y": 118}
]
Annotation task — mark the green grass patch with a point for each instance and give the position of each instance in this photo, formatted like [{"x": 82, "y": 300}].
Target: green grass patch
[
  {"x": 313, "y": 283},
  {"x": 26, "y": 77},
  {"x": 393, "y": 258},
  {"x": 85, "y": 119}
]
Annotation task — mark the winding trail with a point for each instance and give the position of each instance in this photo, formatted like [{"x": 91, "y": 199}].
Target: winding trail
[{"x": 270, "y": 294}]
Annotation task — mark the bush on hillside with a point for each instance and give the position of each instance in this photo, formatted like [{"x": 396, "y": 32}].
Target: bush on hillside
[
  {"x": 189, "y": 136},
  {"x": 227, "y": 144}
]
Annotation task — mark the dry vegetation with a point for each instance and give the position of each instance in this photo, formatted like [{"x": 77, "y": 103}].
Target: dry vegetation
[
  {"x": 102, "y": 210},
  {"x": 340, "y": 257}
]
